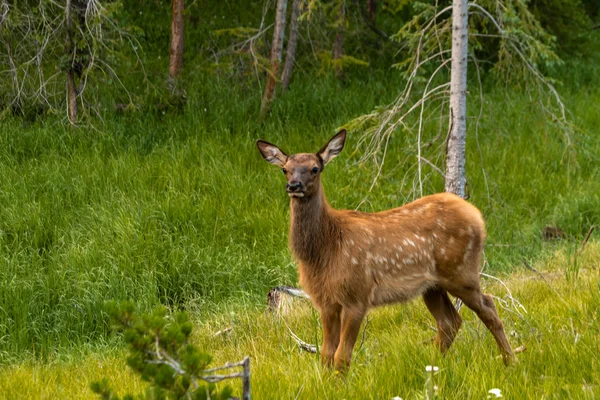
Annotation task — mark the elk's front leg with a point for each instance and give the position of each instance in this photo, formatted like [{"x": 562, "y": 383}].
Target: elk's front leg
[
  {"x": 351, "y": 320},
  {"x": 331, "y": 321}
]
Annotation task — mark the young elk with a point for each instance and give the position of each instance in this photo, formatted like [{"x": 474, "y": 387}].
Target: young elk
[{"x": 350, "y": 261}]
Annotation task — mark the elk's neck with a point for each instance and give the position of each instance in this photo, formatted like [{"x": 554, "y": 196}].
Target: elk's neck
[{"x": 313, "y": 230}]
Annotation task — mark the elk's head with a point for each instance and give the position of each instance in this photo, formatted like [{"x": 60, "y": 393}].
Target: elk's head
[{"x": 303, "y": 170}]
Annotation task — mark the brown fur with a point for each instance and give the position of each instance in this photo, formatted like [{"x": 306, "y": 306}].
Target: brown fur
[{"x": 350, "y": 261}]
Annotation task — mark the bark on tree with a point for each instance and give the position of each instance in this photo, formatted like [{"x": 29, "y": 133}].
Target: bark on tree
[
  {"x": 290, "y": 54},
  {"x": 276, "y": 50},
  {"x": 71, "y": 89},
  {"x": 176, "y": 53},
  {"x": 17, "y": 104},
  {"x": 455, "y": 157},
  {"x": 338, "y": 46},
  {"x": 371, "y": 10}
]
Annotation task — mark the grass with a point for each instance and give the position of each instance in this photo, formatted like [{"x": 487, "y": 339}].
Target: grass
[
  {"x": 182, "y": 210},
  {"x": 559, "y": 326}
]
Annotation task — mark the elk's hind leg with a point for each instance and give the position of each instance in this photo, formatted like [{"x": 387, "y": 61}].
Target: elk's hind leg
[
  {"x": 483, "y": 305},
  {"x": 447, "y": 318}
]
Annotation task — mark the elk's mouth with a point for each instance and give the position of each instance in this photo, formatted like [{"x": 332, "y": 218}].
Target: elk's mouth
[{"x": 295, "y": 194}]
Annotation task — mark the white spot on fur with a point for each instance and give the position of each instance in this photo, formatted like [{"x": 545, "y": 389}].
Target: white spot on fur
[
  {"x": 412, "y": 243},
  {"x": 354, "y": 261}
]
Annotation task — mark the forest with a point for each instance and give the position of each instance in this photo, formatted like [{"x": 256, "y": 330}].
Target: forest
[{"x": 135, "y": 207}]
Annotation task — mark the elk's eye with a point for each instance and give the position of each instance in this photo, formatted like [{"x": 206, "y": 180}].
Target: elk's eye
[
  {"x": 315, "y": 170},
  {"x": 284, "y": 170}
]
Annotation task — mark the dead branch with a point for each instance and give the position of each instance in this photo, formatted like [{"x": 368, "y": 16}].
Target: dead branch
[
  {"x": 280, "y": 298},
  {"x": 516, "y": 304},
  {"x": 223, "y": 331},
  {"x": 311, "y": 348},
  {"x": 432, "y": 165},
  {"x": 244, "y": 375},
  {"x": 520, "y": 349},
  {"x": 162, "y": 357},
  {"x": 587, "y": 237}
]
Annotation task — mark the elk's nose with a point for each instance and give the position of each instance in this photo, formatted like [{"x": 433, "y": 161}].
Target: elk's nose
[{"x": 293, "y": 186}]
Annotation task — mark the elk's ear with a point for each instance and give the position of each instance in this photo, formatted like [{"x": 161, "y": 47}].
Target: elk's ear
[
  {"x": 333, "y": 147},
  {"x": 271, "y": 153}
]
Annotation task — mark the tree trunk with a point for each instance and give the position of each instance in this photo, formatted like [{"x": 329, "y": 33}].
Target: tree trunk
[
  {"x": 338, "y": 46},
  {"x": 17, "y": 104},
  {"x": 371, "y": 10},
  {"x": 455, "y": 157},
  {"x": 176, "y": 53},
  {"x": 276, "y": 50},
  {"x": 71, "y": 90},
  {"x": 72, "y": 93},
  {"x": 290, "y": 54}
]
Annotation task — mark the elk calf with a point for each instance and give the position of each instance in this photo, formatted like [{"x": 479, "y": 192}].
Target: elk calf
[{"x": 350, "y": 261}]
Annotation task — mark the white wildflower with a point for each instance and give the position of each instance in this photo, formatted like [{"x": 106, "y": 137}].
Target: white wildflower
[
  {"x": 495, "y": 392},
  {"x": 397, "y": 398},
  {"x": 431, "y": 368}
]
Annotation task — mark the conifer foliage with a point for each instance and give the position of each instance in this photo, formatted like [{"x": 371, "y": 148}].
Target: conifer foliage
[{"x": 161, "y": 352}]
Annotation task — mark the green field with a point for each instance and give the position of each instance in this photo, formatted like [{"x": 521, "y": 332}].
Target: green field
[
  {"x": 181, "y": 210},
  {"x": 558, "y": 323}
]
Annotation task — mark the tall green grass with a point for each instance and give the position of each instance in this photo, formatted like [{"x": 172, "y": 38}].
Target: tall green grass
[
  {"x": 558, "y": 325},
  {"x": 180, "y": 209}
]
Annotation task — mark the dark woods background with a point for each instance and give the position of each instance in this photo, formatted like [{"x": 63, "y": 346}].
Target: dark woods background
[{"x": 115, "y": 54}]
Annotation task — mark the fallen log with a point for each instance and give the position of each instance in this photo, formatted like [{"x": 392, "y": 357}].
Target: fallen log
[{"x": 281, "y": 298}]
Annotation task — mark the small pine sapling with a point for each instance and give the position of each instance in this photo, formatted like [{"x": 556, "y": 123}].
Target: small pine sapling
[{"x": 161, "y": 352}]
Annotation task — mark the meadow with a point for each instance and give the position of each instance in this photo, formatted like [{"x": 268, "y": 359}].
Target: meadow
[
  {"x": 557, "y": 321},
  {"x": 180, "y": 209}
]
